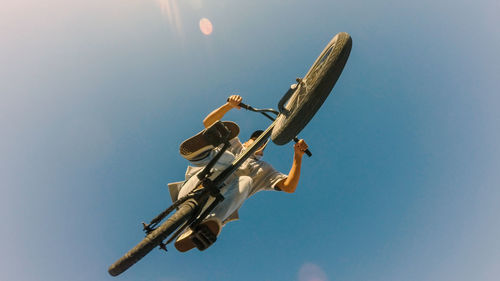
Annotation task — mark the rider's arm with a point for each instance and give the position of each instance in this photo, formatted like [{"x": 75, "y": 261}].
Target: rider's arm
[
  {"x": 216, "y": 115},
  {"x": 289, "y": 184}
]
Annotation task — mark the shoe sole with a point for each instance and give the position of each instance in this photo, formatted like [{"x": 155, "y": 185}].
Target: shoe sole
[
  {"x": 196, "y": 145},
  {"x": 184, "y": 242}
]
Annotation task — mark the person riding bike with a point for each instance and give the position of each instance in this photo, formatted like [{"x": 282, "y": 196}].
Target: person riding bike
[{"x": 253, "y": 176}]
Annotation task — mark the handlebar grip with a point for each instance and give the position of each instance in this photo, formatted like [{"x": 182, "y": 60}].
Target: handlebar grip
[
  {"x": 242, "y": 105},
  {"x": 296, "y": 140}
]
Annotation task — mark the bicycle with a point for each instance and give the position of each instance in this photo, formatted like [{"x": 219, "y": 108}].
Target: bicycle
[{"x": 295, "y": 109}]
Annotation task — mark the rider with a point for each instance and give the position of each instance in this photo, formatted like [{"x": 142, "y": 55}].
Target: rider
[{"x": 253, "y": 175}]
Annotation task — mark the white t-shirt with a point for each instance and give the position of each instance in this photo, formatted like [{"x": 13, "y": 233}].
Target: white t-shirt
[{"x": 263, "y": 175}]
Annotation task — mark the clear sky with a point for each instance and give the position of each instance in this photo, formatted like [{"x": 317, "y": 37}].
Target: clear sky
[{"x": 96, "y": 96}]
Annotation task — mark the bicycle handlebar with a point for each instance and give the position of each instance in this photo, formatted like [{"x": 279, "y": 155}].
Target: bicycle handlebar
[{"x": 247, "y": 107}]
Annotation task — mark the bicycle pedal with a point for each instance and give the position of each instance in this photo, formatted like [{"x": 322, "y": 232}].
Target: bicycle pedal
[
  {"x": 198, "y": 243},
  {"x": 203, "y": 238},
  {"x": 207, "y": 234}
]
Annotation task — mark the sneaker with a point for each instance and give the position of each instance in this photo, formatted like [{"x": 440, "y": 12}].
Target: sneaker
[
  {"x": 198, "y": 146},
  {"x": 206, "y": 235}
]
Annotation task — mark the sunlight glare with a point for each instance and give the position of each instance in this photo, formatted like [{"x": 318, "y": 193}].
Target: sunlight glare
[
  {"x": 196, "y": 4},
  {"x": 170, "y": 10},
  {"x": 206, "y": 26},
  {"x": 311, "y": 272}
]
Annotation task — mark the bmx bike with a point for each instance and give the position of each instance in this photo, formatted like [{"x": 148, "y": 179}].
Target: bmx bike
[{"x": 295, "y": 109}]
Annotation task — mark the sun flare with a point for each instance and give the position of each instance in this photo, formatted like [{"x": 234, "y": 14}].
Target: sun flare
[
  {"x": 170, "y": 9},
  {"x": 206, "y": 26}
]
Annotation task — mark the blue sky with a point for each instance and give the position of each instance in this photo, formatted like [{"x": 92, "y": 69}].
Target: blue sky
[{"x": 96, "y": 96}]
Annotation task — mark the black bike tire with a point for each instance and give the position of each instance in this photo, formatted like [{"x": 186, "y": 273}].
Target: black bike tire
[
  {"x": 319, "y": 81},
  {"x": 153, "y": 239}
]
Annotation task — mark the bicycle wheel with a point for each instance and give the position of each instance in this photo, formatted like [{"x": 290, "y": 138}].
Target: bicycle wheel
[
  {"x": 153, "y": 239},
  {"x": 314, "y": 89}
]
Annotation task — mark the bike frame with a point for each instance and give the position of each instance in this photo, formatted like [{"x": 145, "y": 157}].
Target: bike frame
[
  {"x": 291, "y": 119},
  {"x": 211, "y": 188}
]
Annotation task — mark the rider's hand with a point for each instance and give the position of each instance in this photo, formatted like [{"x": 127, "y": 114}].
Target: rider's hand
[
  {"x": 234, "y": 101},
  {"x": 300, "y": 147}
]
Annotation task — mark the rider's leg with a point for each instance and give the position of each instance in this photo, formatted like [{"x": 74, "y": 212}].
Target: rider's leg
[
  {"x": 234, "y": 196},
  {"x": 224, "y": 161},
  {"x": 234, "y": 193}
]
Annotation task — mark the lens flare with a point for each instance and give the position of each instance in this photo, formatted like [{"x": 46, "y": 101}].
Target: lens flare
[
  {"x": 206, "y": 26},
  {"x": 311, "y": 272},
  {"x": 170, "y": 10}
]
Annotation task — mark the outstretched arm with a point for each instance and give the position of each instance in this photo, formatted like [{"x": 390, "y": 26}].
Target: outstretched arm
[
  {"x": 289, "y": 184},
  {"x": 216, "y": 115}
]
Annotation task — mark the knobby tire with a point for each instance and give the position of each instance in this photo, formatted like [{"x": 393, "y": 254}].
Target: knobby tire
[
  {"x": 318, "y": 83},
  {"x": 153, "y": 239}
]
